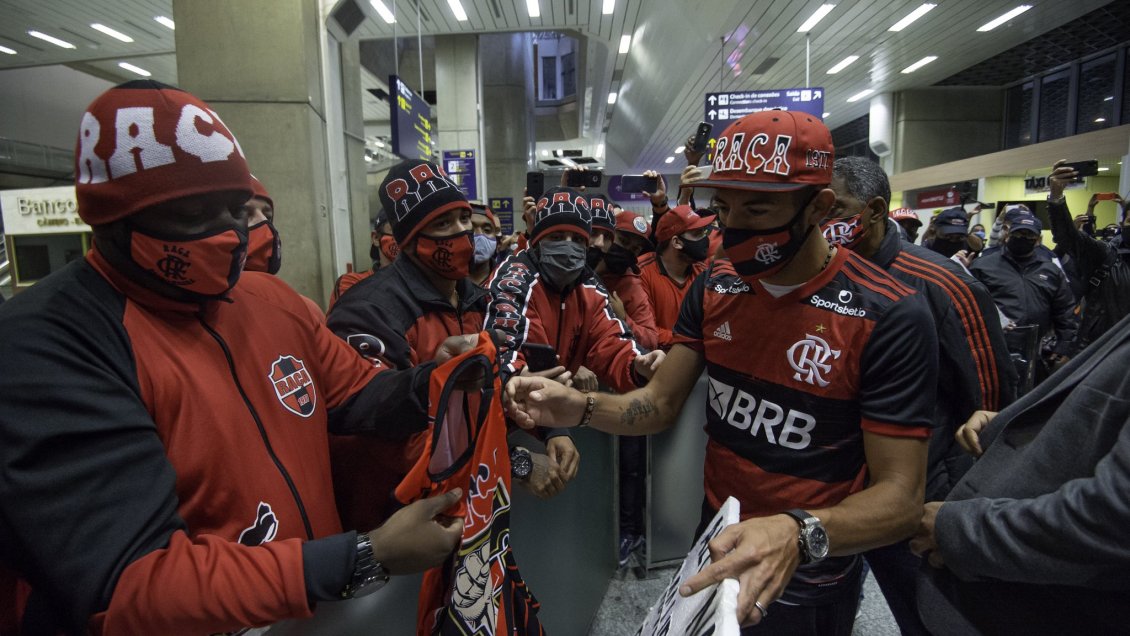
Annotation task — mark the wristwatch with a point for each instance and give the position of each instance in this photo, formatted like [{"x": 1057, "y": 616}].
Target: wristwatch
[
  {"x": 813, "y": 538},
  {"x": 521, "y": 464},
  {"x": 368, "y": 574}
]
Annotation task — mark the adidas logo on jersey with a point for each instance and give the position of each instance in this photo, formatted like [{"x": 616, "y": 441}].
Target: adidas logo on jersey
[
  {"x": 723, "y": 332},
  {"x": 780, "y": 426}
]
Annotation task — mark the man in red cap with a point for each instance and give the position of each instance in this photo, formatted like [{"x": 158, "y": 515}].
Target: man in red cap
[
  {"x": 908, "y": 221},
  {"x": 820, "y": 373},
  {"x": 619, "y": 270},
  {"x": 683, "y": 239},
  {"x": 165, "y": 460}
]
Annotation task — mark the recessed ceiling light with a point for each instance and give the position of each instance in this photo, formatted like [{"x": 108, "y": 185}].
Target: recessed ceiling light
[
  {"x": 860, "y": 95},
  {"x": 989, "y": 26},
  {"x": 544, "y": 152},
  {"x": 825, "y": 116},
  {"x": 920, "y": 63},
  {"x": 612, "y": 98},
  {"x": 165, "y": 21},
  {"x": 457, "y": 9},
  {"x": 383, "y": 11},
  {"x": 117, "y": 35},
  {"x": 914, "y": 15},
  {"x": 824, "y": 10},
  {"x": 625, "y": 43},
  {"x": 669, "y": 160},
  {"x": 1099, "y": 120},
  {"x": 379, "y": 143},
  {"x": 533, "y": 8},
  {"x": 1104, "y": 169},
  {"x": 53, "y": 40},
  {"x": 1107, "y": 99},
  {"x": 134, "y": 69},
  {"x": 609, "y": 7},
  {"x": 844, "y": 63},
  {"x": 4, "y": 49},
  {"x": 680, "y": 150}
]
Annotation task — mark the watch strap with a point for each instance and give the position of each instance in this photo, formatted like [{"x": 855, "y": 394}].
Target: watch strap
[
  {"x": 367, "y": 571},
  {"x": 802, "y": 518}
]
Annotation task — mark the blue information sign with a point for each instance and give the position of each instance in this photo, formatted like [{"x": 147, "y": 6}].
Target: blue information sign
[
  {"x": 460, "y": 166},
  {"x": 411, "y": 127},
  {"x": 503, "y": 208},
  {"x": 723, "y": 109}
]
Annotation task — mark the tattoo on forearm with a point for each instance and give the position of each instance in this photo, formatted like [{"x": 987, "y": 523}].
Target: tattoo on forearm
[{"x": 637, "y": 410}]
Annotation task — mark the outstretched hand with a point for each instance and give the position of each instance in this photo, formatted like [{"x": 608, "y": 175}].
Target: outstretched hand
[{"x": 533, "y": 401}]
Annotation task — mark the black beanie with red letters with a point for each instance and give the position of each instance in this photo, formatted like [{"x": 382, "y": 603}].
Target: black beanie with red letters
[{"x": 414, "y": 193}]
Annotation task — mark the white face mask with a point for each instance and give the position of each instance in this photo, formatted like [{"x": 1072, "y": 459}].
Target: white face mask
[
  {"x": 561, "y": 262},
  {"x": 485, "y": 247}
]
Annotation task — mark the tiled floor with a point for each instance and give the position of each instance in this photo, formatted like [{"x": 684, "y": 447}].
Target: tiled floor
[{"x": 629, "y": 598}]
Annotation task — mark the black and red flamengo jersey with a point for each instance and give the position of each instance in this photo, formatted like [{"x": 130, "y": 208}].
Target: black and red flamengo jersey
[
  {"x": 479, "y": 590},
  {"x": 793, "y": 382}
]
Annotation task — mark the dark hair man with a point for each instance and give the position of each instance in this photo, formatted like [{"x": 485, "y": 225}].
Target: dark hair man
[
  {"x": 974, "y": 369},
  {"x": 383, "y": 251},
  {"x": 820, "y": 370},
  {"x": 683, "y": 247},
  {"x": 165, "y": 463},
  {"x": 1104, "y": 267}
]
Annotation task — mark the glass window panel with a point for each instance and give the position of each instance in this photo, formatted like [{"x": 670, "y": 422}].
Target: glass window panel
[
  {"x": 1018, "y": 116},
  {"x": 1096, "y": 95},
  {"x": 1055, "y": 90}
]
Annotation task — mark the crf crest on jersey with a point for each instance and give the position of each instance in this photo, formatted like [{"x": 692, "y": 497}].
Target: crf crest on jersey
[{"x": 293, "y": 386}]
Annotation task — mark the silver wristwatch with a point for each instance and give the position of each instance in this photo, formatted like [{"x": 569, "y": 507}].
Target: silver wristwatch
[
  {"x": 813, "y": 538},
  {"x": 368, "y": 574}
]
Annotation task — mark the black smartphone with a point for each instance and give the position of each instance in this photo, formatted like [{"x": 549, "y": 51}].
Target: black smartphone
[
  {"x": 539, "y": 357},
  {"x": 1087, "y": 168},
  {"x": 702, "y": 136},
  {"x": 585, "y": 178},
  {"x": 535, "y": 184},
  {"x": 638, "y": 183}
]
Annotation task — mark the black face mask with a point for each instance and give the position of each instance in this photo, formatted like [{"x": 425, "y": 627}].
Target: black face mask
[
  {"x": 696, "y": 250},
  {"x": 946, "y": 248},
  {"x": 593, "y": 256},
  {"x": 1020, "y": 247},
  {"x": 618, "y": 259}
]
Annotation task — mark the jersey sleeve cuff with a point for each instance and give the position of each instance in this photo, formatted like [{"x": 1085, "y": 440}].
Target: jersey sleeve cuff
[
  {"x": 327, "y": 566},
  {"x": 894, "y": 430},
  {"x": 687, "y": 341}
]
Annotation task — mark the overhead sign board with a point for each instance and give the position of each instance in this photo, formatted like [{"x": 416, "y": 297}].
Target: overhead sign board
[
  {"x": 723, "y": 109},
  {"x": 410, "y": 122},
  {"x": 503, "y": 208},
  {"x": 41, "y": 211},
  {"x": 460, "y": 166}
]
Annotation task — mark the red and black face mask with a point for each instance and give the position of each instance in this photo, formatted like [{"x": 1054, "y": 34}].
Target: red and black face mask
[
  {"x": 205, "y": 265},
  {"x": 264, "y": 248},
  {"x": 757, "y": 254},
  {"x": 847, "y": 232},
  {"x": 388, "y": 247},
  {"x": 448, "y": 256}
]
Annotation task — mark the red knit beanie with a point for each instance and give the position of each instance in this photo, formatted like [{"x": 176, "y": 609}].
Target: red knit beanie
[{"x": 142, "y": 143}]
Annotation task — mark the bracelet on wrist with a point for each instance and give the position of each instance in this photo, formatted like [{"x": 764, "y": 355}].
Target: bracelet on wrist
[{"x": 590, "y": 406}]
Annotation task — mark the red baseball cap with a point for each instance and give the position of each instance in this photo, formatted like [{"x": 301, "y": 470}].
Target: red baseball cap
[
  {"x": 772, "y": 151},
  {"x": 633, "y": 224},
  {"x": 677, "y": 220},
  {"x": 905, "y": 214},
  {"x": 478, "y": 207}
]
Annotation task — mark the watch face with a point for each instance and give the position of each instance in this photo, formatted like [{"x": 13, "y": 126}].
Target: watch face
[
  {"x": 817, "y": 543},
  {"x": 521, "y": 465}
]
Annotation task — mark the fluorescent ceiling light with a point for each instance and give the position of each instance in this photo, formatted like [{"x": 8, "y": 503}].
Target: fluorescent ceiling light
[
  {"x": 53, "y": 40},
  {"x": 824, "y": 10},
  {"x": 989, "y": 26},
  {"x": 609, "y": 7},
  {"x": 625, "y": 43},
  {"x": 4, "y": 49},
  {"x": 680, "y": 150},
  {"x": 457, "y": 9},
  {"x": 600, "y": 150},
  {"x": 1104, "y": 169},
  {"x": 612, "y": 98},
  {"x": 544, "y": 152},
  {"x": 1099, "y": 120},
  {"x": 844, "y": 63},
  {"x": 532, "y": 8},
  {"x": 164, "y": 21},
  {"x": 1107, "y": 99},
  {"x": 669, "y": 160},
  {"x": 117, "y": 35},
  {"x": 825, "y": 116},
  {"x": 379, "y": 143},
  {"x": 914, "y": 15},
  {"x": 383, "y": 11},
  {"x": 134, "y": 69},
  {"x": 920, "y": 63},
  {"x": 860, "y": 95}
]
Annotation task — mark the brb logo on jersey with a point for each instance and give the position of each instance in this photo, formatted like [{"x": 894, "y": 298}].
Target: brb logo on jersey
[
  {"x": 778, "y": 424},
  {"x": 809, "y": 358},
  {"x": 293, "y": 386}
]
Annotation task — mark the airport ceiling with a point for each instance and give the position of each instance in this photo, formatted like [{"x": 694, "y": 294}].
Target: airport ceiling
[{"x": 679, "y": 49}]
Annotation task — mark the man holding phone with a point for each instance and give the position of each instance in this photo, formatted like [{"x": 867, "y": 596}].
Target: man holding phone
[{"x": 1104, "y": 265}]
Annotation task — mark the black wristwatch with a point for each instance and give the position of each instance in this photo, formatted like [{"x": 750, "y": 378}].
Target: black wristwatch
[
  {"x": 813, "y": 538},
  {"x": 521, "y": 464},
  {"x": 368, "y": 574}
]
